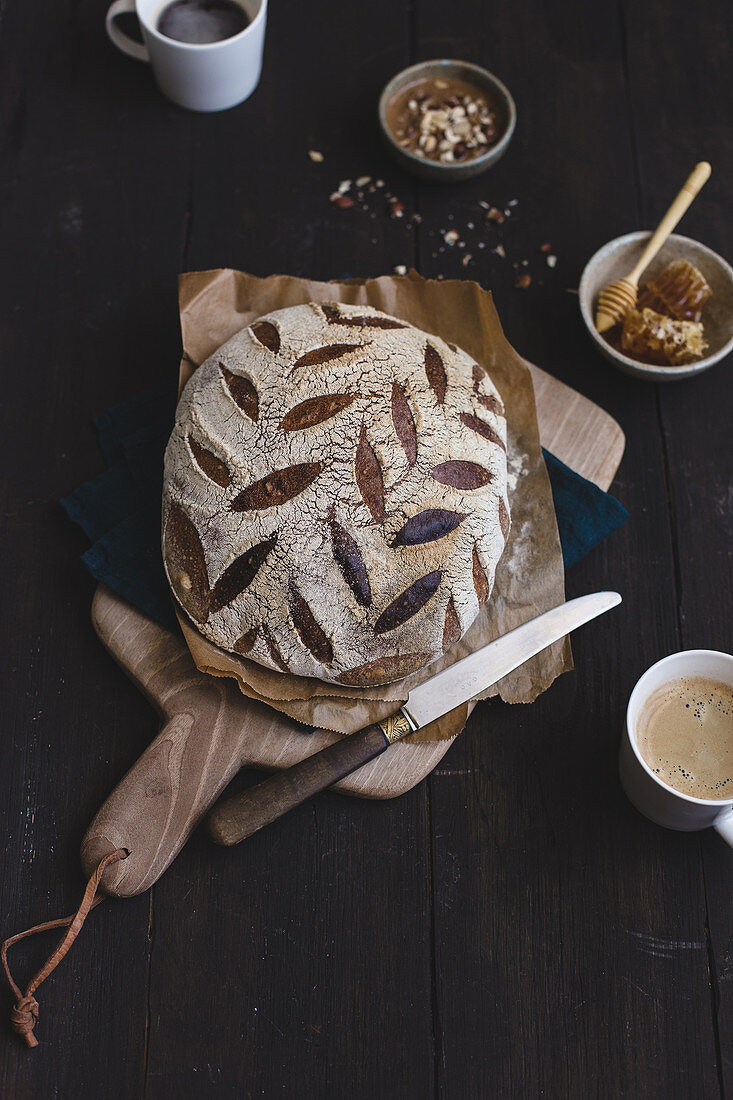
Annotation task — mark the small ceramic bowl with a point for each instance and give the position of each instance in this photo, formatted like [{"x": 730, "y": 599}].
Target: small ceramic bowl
[
  {"x": 497, "y": 93},
  {"x": 618, "y": 257}
]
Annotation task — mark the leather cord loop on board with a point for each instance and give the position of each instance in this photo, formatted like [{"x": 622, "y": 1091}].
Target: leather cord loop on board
[{"x": 24, "y": 1014}]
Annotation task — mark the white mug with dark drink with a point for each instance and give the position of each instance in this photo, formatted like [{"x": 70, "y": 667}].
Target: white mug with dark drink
[
  {"x": 206, "y": 54},
  {"x": 676, "y": 760}
]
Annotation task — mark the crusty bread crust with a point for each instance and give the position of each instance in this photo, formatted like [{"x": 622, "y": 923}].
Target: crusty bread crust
[{"x": 335, "y": 497}]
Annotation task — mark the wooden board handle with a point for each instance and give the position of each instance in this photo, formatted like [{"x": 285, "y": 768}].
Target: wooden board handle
[
  {"x": 700, "y": 175},
  {"x": 243, "y": 815},
  {"x": 154, "y": 809}
]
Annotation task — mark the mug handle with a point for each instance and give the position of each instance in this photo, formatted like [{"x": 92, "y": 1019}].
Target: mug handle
[
  {"x": 121, "y": 40},
  {"x": 723, "y": 825}
]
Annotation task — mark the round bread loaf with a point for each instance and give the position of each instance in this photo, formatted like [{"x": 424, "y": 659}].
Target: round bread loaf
[{"x": 335, "y": 494}]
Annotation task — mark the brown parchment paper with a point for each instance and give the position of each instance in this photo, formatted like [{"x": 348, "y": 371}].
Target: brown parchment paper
[{"x": 529, "y": 579}]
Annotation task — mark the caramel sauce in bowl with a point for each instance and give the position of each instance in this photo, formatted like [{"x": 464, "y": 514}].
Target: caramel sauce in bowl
[{"x": 446, "y": 120}]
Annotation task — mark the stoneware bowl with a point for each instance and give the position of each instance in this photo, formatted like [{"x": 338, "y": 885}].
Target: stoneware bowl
[
  {"x": 447, "y": 70},
  {"x": 618, "y": 257}
]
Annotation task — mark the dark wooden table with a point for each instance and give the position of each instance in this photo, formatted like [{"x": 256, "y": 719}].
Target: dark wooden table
[{"x": 512, "y": 927}]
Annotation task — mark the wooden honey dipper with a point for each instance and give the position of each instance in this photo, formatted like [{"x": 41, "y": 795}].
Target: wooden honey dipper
[{"x": 616, "y": 299}]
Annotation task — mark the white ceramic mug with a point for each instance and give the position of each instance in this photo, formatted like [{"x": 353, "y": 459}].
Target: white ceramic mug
[
  {"x": 654, "y": 798},
  {"x": 210, "y": 76}
]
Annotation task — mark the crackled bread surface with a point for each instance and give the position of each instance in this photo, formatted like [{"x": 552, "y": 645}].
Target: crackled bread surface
[{"x": 335, "y": 494}]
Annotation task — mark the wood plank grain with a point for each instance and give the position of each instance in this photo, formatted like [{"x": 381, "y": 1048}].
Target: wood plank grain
[
  {"x": 695, "y": 416},
  {"x": 91, "y": 210},
  {"x": 537, "y": 933},
  {"x": 566, "y": 927},
  {"x": 576, "y": 430}
]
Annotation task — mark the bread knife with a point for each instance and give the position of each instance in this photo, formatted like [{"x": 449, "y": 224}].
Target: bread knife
[{"x": 235, "y": 818}]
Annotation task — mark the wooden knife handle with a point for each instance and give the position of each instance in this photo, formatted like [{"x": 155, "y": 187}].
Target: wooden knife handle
[{"x": 239, "y": 817}]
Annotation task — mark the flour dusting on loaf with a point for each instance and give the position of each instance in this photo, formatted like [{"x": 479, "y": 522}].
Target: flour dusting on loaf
[{"x": 335, "y": 497}]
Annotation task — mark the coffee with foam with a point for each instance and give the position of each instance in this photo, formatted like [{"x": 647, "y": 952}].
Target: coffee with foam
[{"x": 685, "y": 735}]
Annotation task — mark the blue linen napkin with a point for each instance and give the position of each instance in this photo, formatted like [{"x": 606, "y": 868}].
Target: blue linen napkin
[{"x": 119, "y": 510}]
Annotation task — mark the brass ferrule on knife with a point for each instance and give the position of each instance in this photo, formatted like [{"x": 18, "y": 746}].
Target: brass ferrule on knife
[{"x": 397, "y": 726}]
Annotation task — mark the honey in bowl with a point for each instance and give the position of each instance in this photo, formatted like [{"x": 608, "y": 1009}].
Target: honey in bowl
[
  {"x": 666, "y": 327},
  {"x": 678, "y": 291},
  {"x": 445, "y": 120}
]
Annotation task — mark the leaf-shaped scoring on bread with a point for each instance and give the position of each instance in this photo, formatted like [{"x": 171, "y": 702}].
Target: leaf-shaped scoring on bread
[
  {"x": 267, "y": 335},
  {"x": 369, "y": 479},
  {"x": 186, "y": 564},
  {"x": 427, "y": 526},
  {"x": 238, "y": 576},
  {"x": 324, "y": 355},
  {"x": 273, "y": 649},
  {"x": 491, "y": 403},
  {"x": 315, "y": 410},
  {"x": 404, "y": 423},
  {"x": 435, "y": 371},
  {"x": 451, "y": 626},
  {"x": 408, "y": 603},
  {"x": 244, "y": 643},
  {"x": 480, "y": 580},
  {"x": 212, "y": 466},
  {"x": 461, "y": 474},
  {"x": 504, "y": 521},
  {"x": 333, "y": 317},
  {"x": 482, "y": 428},
  {"x": 384, "y": 670},
  {"x": 277, "y": 488},
  {"x": 311, "y": 633},
  {"x": 243, "y": 392},
  {"x": 350, "y": 562}
]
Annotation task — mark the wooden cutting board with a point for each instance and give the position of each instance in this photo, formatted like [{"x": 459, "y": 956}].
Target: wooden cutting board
[{"x": 230, "y": 731}]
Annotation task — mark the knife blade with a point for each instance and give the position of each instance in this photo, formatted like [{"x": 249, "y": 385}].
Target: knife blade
[
  {"x": 236, "y": 818},
  {"x": 472, "y": 675}
]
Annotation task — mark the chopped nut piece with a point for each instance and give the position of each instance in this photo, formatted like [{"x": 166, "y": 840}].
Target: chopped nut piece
[
  {"x": 400, "y": 269},
  {"x": 451, "y": 236},
  {"x": 315, "y": 156},
  {"x": 495, "y": 215},
  {"x": 363, "y": 181},
  {"x": 523, "y": 281},
  {"x": 342, "y": 201},
  {"x": 344, "y": 186},
  {"x": 465, "y": 260},
  {"x": 396, "y": 208},
  {"x": 551, "y": 261},
  {"x": 499, "y": 251}
]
